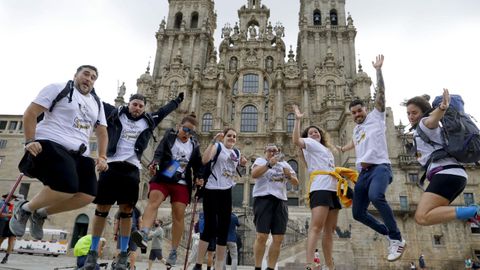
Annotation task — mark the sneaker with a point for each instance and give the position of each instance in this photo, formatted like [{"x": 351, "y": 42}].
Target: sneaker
[
  {"x": 395, "y": 250},
  {"x": 18, "y": 222},
  {"x": 172, "y": 258},
  {"x": 140, "y": 238},
  {"x": 4, "y": 260},
  {"x": 36, "y": 225},
  {"x": 122, "y": 261},
  {"x": 90, "y": 261},
  {"x": 475, "y": 219}
]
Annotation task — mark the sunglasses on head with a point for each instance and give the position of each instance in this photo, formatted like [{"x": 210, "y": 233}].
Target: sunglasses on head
[{"x": 187, "y": 130}]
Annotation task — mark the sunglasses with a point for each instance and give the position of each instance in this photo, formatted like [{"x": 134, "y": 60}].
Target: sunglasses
[{"x": 187, "y": 130}]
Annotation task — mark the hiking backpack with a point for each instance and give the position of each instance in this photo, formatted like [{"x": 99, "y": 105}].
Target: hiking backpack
[{"x": 461, "y": 135}]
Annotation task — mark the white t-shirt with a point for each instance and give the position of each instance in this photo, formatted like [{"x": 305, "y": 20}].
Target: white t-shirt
[
  {"x": 69, "y": 124},
  {"x": 273, "y": 181},
  {"x": 370, "y": 139},
  {"x": 181, "y": 152},
  {"x": 424, "y": 150},
  {"x": 126, "y": 144},
  {"x": 225, "y": 169},
  {"x": 319, "y": 157}
]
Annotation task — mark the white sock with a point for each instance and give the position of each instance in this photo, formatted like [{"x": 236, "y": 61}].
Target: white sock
[
  {"x": 42, "y": 212},
  {"x": 26, "y": 207}
]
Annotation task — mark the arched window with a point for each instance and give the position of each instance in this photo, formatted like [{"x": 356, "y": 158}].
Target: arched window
[
  {"x": 207, "y": 121},
  {"x": 194, "y": 21},
  {"x": 333, "y": 17},
  {"x": 290, "y": 122},
  {"x": 266, "y": 87},
  {"x": 249, "y": 118},
  {"x": 317, "y": 17},
  {"x": 250, "y": 83},
  {"x": 294, "y": 165},
  {"x": 178, "y": 20}
]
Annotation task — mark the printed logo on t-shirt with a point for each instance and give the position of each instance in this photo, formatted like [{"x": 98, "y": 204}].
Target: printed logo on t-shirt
[
  {"x": 359, "y": 135},
  {"x": 230, "y": 166},
  {"x": 130, "y": 131},
  {"x": 81, "y": 120},
  {"x": 277, "y": 174}
]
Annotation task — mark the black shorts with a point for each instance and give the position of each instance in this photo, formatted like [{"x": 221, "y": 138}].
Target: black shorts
[
  {"x": 447, "y": 185},
  {"x": 324, "y": 198},
  {"x": 63, "y": 170},
  {"x": 270, "y": 215},
  {"x": 118, "y": 184},
  {"x": 5, "y": 229},
  {"x": 212, "y": 244},
  {"x": 155, "y": 254}
]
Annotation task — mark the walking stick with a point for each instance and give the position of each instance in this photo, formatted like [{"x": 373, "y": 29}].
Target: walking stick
[
  {"x": 9, "y": 196},
  {"x": 191, "y": 228}
]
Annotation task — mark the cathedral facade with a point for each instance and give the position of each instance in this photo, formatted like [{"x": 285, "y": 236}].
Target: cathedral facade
[{"x": 250, "y": 83}]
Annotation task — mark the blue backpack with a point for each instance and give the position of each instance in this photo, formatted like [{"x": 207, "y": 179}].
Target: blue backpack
[{"x": 461, "y": 135}]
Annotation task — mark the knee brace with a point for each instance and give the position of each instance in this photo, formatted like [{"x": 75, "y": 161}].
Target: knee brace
[
  {"x": 101, "y": 214},
  {"x": 125, "y": 215}
]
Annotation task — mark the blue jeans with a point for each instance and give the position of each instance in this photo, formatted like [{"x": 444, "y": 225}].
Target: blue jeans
[{"x": 371, "y": 187}]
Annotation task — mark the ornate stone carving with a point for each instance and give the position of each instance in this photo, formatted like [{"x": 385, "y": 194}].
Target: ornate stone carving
[{"x": 251, "y": 59}]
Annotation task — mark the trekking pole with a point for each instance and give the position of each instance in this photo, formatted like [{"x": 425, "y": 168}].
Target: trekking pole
[
  {"x": 10, "y": 194},
  {"x": 192, "y": 220}
]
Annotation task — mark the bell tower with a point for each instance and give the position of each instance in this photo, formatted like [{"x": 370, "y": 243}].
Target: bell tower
[
  {"x": 186, "y": 33},
  {"x": 325, "y": 31}
]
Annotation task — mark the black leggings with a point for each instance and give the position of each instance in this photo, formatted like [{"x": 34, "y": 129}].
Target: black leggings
[{"x": 217, "y": 209}]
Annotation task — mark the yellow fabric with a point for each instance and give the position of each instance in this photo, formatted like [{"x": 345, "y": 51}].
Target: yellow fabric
[
  {"x": 82, "y": 246},
  {"x": 343, "y": 175}
]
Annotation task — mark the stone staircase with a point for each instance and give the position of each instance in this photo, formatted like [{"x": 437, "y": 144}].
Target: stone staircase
[{"x": 294, "y": 256}]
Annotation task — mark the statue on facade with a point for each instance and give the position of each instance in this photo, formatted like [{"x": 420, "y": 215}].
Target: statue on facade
[
  {"x": 253, "y": 32},
  {"x": 269, "y": 64},
  {"x": 121, "y": 90},
  {"x": 232, "y": 67}
]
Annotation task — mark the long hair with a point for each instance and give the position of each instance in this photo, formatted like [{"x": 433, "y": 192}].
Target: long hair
[
  {"x": 324, "y": 137},
  {"x": 421, "y": 102}
]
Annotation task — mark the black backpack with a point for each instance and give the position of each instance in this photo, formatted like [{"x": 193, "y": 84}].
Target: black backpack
[
  {"x": 207, "y": 168},
  {"x": 68, "y": 91},
  {"x": 461, "y": 137}
]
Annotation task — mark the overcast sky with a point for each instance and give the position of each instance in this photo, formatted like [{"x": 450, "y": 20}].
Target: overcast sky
[{"x": 427, "y": 44}]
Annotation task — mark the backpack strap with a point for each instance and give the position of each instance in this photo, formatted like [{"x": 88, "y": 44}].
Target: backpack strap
[
  {"x": 214, "y": 160},
  {"x": 238, "y": 155},
  {"x": 68, "y": 90}
]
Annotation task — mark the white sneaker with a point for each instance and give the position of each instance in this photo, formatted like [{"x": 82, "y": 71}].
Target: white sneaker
[{"x": 395, "y": 250}]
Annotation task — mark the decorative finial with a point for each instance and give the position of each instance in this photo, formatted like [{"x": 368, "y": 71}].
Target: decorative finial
[{"x": 148, "y": 66}]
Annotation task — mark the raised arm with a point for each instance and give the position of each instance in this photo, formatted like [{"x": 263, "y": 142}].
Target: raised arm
[
  {"x": 380, "y": 99},
  {"x": 432, "y": 121},
  {"x": 163, "y": 111},
  {"x": 296, "y": 128},
  {"x": 209, "y": 153}
]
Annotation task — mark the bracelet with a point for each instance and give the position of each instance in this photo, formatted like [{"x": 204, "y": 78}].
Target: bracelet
[
  {"x": 213, "y": 142},
  {"x": 29, "y": 141},
  {"x": 103, "y": 157},
  {"x": 269, "y": 165}
]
